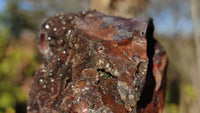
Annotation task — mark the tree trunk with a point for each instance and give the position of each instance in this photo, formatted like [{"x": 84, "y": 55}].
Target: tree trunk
[
  {"x": 124, "y": 8},
  {"x": 195, "y": 17}
]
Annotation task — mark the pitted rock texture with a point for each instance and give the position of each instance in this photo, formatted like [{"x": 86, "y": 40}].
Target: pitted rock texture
[{"x": 95, "y": 63}]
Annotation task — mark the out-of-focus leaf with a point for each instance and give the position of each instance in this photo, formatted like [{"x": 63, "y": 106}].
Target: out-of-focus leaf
[
  {"x": 10, "y": 110},
  {"x": 7, "y": 100},
  {"x": 190, "y": 92}
]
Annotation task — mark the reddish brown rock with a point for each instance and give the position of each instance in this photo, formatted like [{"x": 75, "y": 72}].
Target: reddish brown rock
[{"x": 97, "y": 63}]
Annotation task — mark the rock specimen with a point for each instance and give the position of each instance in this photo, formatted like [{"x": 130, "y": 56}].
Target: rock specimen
[{"x": 97, "y": 63}]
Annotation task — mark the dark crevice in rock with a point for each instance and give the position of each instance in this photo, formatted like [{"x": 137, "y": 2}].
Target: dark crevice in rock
[
  {"x": 149, "y": 85},
  {"x": 138, "y": 67},
  {"x": 105, "y": 74}
]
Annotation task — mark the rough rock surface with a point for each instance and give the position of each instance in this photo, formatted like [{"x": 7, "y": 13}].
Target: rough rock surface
[{"x": 97, "y": 63}]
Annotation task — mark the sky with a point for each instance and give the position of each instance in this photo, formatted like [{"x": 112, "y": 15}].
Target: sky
[
  {"x": 171, "y": 17},
  {"x": 165, "y": 21},
  {"x": 2, "y": 5},
  {"x": 166, "y": 24}
]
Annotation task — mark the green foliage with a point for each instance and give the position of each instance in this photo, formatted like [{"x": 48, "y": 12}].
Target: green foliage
[
  {"x": 7, "y": 100},
  {"x": 18, "y": 56},
  {"x": 190, "y": 92},
  {"x": 94, "y": 41},
  {"x": 18, "y": 61},
  {"x": 171, "y": 108},
  {"x": 104, "y": 74},
  {"x": 3, "y": 39},
  {"x": 11, "y": 63}
]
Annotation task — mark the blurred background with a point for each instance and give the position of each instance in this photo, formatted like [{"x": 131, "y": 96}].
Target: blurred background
[{"x": 177, "y": 27}]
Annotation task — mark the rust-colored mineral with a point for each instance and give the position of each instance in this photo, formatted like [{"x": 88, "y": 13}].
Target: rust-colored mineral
[{"x": 97, "y": 63}]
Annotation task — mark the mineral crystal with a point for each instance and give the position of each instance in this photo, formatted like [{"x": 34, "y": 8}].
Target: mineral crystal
[{"x": 98, "y": 64}]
